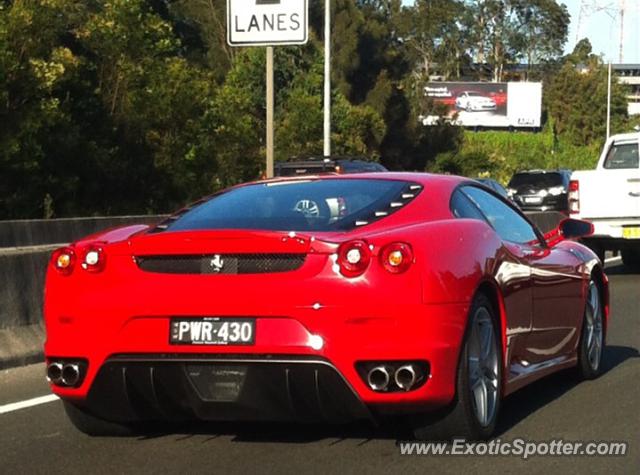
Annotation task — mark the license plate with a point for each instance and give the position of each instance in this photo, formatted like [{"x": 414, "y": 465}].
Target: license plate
[
  {"x": 533, "y": 200},
  {"x": 212, "y": 331},
  {"x": 631, "y": 233}
]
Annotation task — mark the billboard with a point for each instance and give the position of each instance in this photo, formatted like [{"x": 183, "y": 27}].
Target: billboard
[{"x": 483, "y": 104}]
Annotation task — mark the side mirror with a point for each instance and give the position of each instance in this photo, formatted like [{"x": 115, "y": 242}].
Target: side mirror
[
  {"x": 575, "y": 228},
  {"x": 568, "y": 229}
]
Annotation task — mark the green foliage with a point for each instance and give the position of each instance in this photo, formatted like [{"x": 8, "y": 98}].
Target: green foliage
[
  {"x": 356, "y": 129},
  {"x": 577, "y": 103},
  {"x": 129, "y": 106},
  {"x": 201, "y": 27},
  {"x": 435, "y": 35},
  {"x": 104, "y": 114},
  {"x": 500, "y": 154},
  {"x": 505, "y": 31}
]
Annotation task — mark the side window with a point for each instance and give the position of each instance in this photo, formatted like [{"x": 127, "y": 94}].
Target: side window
[
  {"x": 509, "y": 225},
  {"x": 622, "y": 156},
  {"x": 462, "y": 207}
]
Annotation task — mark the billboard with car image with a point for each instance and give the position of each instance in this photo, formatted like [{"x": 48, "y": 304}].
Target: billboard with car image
[{"x": 482, "y": 104}]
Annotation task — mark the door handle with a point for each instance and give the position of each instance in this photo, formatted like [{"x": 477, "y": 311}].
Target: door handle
[
  {"x": 633, "y": 180},
  {"x": 634, "y": 194}
]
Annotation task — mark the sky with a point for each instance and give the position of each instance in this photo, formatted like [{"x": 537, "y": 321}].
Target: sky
[{"x": 602, "y": 30}]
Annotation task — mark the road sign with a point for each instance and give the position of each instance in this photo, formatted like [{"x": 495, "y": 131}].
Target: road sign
[{"x": 267, "y": 22}]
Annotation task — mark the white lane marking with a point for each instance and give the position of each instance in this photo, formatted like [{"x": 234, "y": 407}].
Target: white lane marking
[
  {"x": 36, "y": 401},
  {"x": 613, "y": 259}
]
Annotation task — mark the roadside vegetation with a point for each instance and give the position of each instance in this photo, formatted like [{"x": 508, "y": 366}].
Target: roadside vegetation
[{"x": 136, "y": 106}]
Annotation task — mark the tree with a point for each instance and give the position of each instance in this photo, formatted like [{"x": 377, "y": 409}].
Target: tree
[
  {"x": 105, "y": 113},
  {"x": 129, "y": 106},
  {"x": 543, "y": 26},
  {"x": 504, "y": 31},
  {"x": 202, "y": 23},
  {"x": 433, "y": 32},
  {"x": 492, "y": 30},
  {"x": 577, "y": 103},
  {"x": 36, "y": 71},
  {"x": 582, "y": 53}
]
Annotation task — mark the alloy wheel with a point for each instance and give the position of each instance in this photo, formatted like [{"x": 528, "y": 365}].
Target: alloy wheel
[
  {"x": 593, "y": 321},
  {"x": 483, "y": 367}
]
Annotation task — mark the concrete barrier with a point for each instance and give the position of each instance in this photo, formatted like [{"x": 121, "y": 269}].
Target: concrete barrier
[
  {"x": 25, "y": 247},
  {"x": 36, "y": 232},
  {"x": 21, "y": 287}
]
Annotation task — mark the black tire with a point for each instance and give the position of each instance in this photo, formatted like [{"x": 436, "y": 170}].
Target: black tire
[
  {"x": 598, "y": 251},
  {"x": 586, "y": 368},
  {"x": 94, "y": 426},
  {"x": 631, "y": 258},
  {"x": 459, "y": 420}
]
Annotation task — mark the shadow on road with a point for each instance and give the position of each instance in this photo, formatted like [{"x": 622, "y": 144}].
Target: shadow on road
[
  {"x": 288, "y": 433},
  {"x": 531, "y": 398},
  {"x": 621, "y": 269},
  {"x": 515, "y": 408}
]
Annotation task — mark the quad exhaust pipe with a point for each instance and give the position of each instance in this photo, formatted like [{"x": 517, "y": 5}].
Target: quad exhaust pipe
[
  {"x": 395, "y": 376},
  {"x": 405, "y": 377},
  {"x": 64, "y": 374},
  {"x": 54, "y": 373},
  {"x": 379, "y": 378},
  {"x": 70, "y": 374}
]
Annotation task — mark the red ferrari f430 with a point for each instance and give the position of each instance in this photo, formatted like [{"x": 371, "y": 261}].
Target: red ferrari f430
[{"x": 422, "y": 297}]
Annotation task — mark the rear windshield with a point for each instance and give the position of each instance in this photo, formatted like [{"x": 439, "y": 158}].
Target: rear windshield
[
  {"x": 536, "y": 180},
  {"x": 314, "y": 205},
  {"x": 622, "y": 156}
]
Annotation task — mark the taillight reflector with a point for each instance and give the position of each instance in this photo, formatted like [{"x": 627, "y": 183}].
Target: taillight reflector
[
  {"x": 63, "y": 260},
  {"x": 396, "y": 257},
  {"x": 574, "y": 196},
  {"x": 93, "y": 258},
  {"x": 353, "y": 258}
]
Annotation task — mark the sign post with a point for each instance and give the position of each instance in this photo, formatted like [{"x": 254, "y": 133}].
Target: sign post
[
  {"x": 268, "y": 23},
  {"x": 327, "y": 78},
  {"x": 270, "y": 107}
]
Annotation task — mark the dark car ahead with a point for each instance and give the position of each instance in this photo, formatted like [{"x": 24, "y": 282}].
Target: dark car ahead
[
  {"x": 324, "y": 165},
  {"x": 540, "y": 190}
]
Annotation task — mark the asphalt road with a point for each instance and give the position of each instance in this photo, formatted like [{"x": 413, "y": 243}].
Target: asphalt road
[{"x": 39, "y": 439}]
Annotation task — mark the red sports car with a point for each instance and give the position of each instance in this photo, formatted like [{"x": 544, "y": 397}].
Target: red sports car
[{"x": 425, "y": 297}]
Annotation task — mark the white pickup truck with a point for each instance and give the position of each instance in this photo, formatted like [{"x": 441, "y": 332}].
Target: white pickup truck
[{"x": 609, "y": 197}]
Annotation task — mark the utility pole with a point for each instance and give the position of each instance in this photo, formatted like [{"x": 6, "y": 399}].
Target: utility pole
[
  {"x": 327, "y": 78},
  {"x": 609, "y": 104},
  {"x": 270, "y": 107}
]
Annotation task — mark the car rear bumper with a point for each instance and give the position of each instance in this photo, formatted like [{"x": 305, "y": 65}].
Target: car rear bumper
[
  {"x": 613, "y": 229},
  {"x": 610, "y": 234},
  {"x": 142, "y": 388},
  {"x": 548, "y": 203},
  {"x": 130, "y": 364}
]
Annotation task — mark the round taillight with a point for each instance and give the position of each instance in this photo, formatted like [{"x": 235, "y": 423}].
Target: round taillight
[
  {"x": 93, "y": 258},
  {"x": 353, "y": 258},
  {"x": 64, "y": 260},
  {"x": 396, "y": 257}
]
